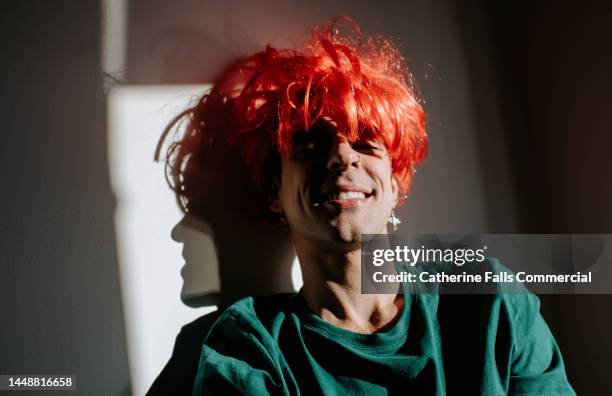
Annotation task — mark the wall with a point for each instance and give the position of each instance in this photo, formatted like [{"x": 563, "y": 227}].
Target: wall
[
  {"x": 60, "y": 299},
  {"x": 556, "y": 57},
  {"x": 517, "y": 99}
]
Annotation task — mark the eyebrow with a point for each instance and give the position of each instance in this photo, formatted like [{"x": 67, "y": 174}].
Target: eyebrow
[{"x": 313, "y": 134}]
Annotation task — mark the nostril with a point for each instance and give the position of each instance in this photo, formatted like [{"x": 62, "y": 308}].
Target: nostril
[{"x": 334, "y": 165}]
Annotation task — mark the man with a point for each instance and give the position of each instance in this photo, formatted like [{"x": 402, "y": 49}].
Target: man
[{"x": 331, "y": 136}]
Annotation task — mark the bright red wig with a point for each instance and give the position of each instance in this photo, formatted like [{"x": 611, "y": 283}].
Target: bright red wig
[{"x": 257, "y": 102}]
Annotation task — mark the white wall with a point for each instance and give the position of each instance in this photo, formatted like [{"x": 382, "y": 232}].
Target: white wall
[{"x": 150, "y": 264}]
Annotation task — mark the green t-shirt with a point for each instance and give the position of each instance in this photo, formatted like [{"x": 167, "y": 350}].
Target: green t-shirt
[{"x": 492, "y": 344}]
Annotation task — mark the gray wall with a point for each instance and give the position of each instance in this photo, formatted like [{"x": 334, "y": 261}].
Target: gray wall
[
  {"x": 557, "y": 58},
  {"x": 60, "y": 302}
]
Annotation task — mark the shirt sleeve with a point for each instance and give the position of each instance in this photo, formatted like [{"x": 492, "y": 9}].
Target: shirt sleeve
[{"x": 537, "y": 366}]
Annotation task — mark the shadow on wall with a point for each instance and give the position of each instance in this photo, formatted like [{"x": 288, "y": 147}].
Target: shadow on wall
[
  {"x": 251, "y": 259},
  {"x": 200, "y": 274}
]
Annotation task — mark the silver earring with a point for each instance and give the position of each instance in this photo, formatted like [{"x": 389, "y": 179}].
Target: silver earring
[{"x": 394, "y": 220}]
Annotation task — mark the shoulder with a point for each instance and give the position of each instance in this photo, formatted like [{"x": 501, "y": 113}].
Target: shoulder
[
  {"x": 492, "y": 303},
  {"x": 512, "y": 297},
  {"x": 251, "y": 318},
  {"x": 512, "y": 334},
  {"x": 240, "y": 353}
]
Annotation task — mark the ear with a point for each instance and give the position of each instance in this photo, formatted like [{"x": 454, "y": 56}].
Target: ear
[
  {"x": 274, "y": 202},
  {"x": 395, "y": 190}
]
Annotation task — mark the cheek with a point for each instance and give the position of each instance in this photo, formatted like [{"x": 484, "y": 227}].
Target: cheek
[
  {"x": 384, "y": 175},
  {"x": 290, "y": 182},
  {"x": 285, "y": 189}
]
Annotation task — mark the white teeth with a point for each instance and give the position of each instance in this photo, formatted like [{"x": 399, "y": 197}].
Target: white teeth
[{"x": 344, "y": 195}]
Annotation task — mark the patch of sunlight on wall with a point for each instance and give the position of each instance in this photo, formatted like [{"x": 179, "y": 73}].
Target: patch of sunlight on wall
[{"x": 150, "y": 261}]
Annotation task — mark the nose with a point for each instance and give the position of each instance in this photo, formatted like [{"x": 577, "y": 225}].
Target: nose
[
  {"x": 177, "y": 231},
  {"x": 342, "y": 155}
]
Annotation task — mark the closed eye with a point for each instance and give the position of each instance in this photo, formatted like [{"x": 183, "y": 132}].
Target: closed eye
[
  {"x": 366, "y": 147},
  {"x": 304, "y": 149}
]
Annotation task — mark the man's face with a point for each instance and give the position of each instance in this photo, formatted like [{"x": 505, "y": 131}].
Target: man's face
[{"x": 334, "y": 191}]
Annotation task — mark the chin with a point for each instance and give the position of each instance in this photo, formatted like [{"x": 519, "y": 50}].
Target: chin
[
  {"x": 349, "y": 230},
  {"x": 348, "y": 233}
]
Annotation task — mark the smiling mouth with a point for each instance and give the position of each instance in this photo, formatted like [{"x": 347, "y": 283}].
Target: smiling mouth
[
  {"x": 344, "y": 199},
  {"x": 345, "y": 196}
]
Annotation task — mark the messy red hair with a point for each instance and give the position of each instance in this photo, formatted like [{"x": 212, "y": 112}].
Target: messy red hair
[{"x": 259, "y": 101}]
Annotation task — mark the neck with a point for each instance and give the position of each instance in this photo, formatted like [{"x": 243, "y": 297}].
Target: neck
[{"x": 332, "y": 289}]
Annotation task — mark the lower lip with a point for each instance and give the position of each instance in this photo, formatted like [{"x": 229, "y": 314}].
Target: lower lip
[{"x": 345, "y": 203}]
